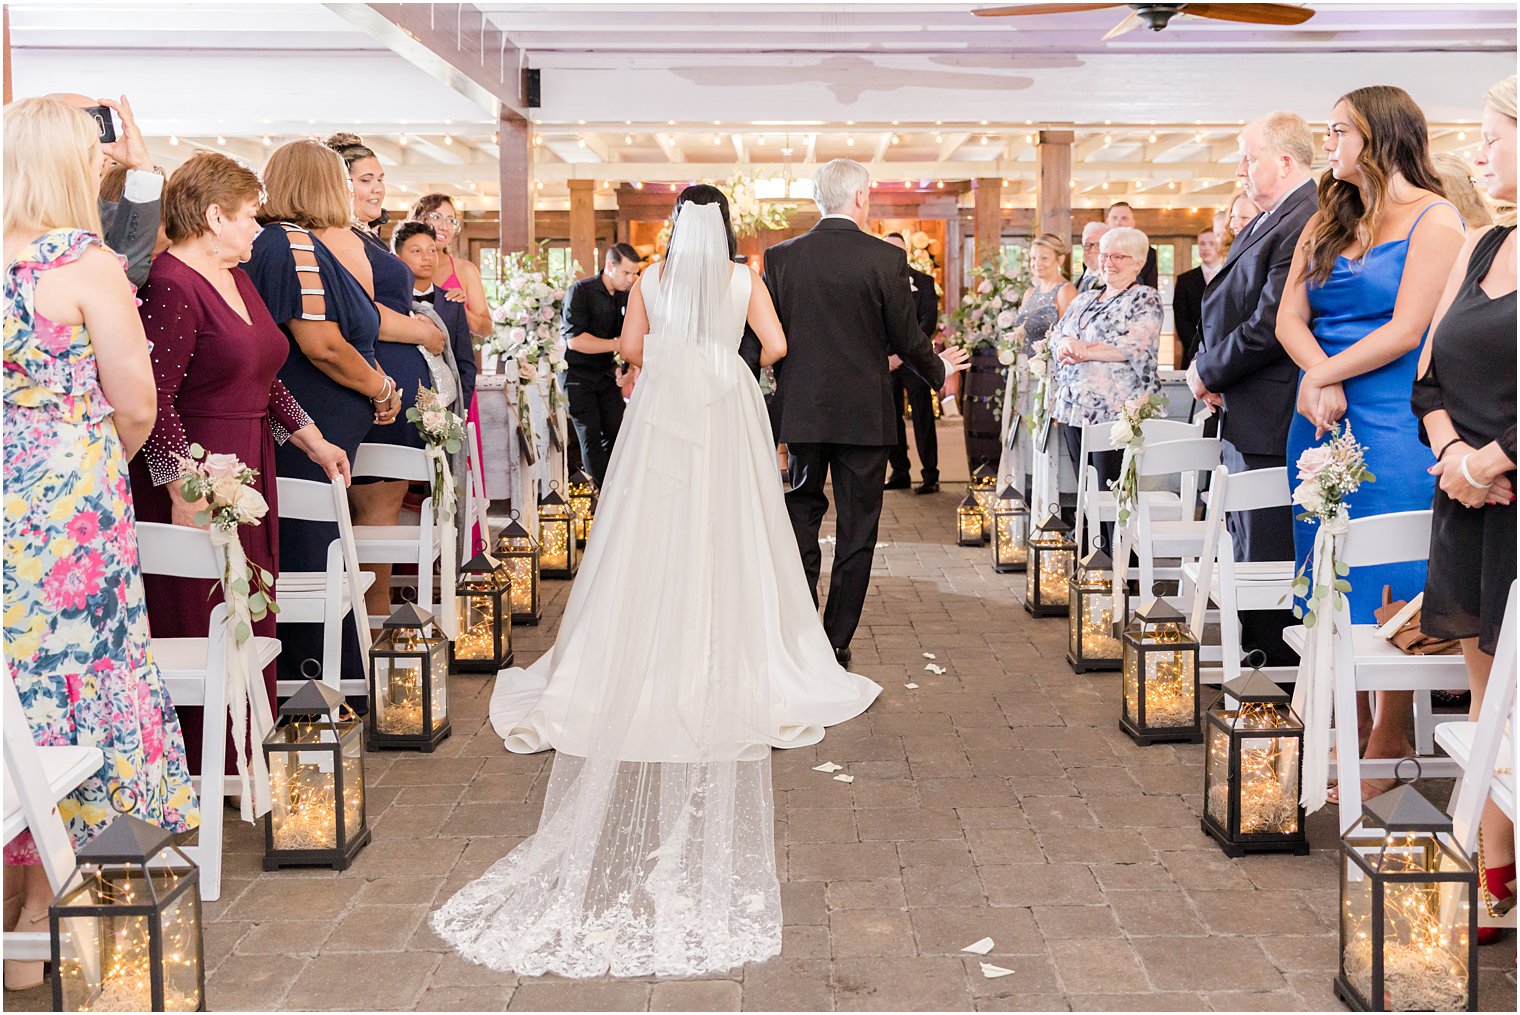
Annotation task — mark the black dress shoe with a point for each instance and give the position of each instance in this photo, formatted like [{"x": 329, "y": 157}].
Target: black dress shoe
[
  {"x": 897, "y": 483},
  {"x": 928, "y": 486},
  {"x": 842, "y": 655}
]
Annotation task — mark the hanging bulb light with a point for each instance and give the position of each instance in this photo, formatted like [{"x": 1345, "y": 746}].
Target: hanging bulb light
[
  {"x": 266, "y": 141},
  {"x": 850, "y": 142},
  {"x": 496, "y": 137},
  {"x": 449, "y": 138},
  {"x": 220, "y": 139},
  {"x": 402, "y": 140},
  {"x": 174, "y": 139}
]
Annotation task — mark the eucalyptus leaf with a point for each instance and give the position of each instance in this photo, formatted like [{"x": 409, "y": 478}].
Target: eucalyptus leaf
[
  {"x": 196, "y": 451},
  {"x": 1309, "y": 620},
  {"x": 1342, "y": 568},
  {"x": 1342, "y": 585},
  {"x": 243, "y": 632}
]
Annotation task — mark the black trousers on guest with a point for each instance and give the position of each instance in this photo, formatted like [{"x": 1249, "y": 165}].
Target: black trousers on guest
[
  {"x": 1262, "y": 535},
  {"x": 921, "y": 399},
  {"x": 595, "y": 407},
  {"x": 858, "y": 472}
]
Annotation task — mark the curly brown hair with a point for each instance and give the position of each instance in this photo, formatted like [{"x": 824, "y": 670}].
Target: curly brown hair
[{"x": 1395, "y": 141}]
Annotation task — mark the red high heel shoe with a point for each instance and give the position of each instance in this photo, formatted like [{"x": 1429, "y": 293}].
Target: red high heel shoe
[{"x": 1498, "y": 895}]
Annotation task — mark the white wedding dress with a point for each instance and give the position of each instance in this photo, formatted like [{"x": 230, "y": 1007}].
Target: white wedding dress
[{"x": 690, "y": 647}]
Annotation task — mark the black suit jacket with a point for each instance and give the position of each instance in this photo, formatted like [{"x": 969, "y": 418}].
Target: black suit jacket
[
  {"x": 845, "y": 303},
  {"x": 131, "y": 229},
  {"x": 1187, "y": 307},
  {"x": 1150, "y": 274},
  {"x": 1239, "y": 355},
  {"x": 925, "y": 301}
]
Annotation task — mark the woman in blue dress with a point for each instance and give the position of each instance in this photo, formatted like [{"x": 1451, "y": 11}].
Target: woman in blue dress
[
  {"x": 399, "y": 350},
  {"x": 332, "y": 324},
  {"x": 1365, "y": 281}
]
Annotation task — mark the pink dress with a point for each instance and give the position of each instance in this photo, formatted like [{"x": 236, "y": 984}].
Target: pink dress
[{"x": 477, "y": 538}]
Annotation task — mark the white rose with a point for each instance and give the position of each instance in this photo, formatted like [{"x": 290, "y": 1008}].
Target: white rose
[
  {"x": 224, "y": 490},
  {"x": 250, "y": 506},
  {"x": 1309, "y": 496},
  {"x": 1005, "y": 319},
  {"x": 435, "y": 420},
  {"x": 1038, "y": 367},
  {"x": 517, "y": 335},
  {"x": 1121, "y": 433},
  {"x": 1006, "y": 357}
]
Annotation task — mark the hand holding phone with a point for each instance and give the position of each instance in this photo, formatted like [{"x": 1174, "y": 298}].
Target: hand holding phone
[
  {"x": 103, "y": 122},
  {"x": 126, "y": 145}
]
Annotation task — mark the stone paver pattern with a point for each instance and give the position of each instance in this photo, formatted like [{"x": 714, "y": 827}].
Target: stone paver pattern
[{"x": 998, "y": 799}]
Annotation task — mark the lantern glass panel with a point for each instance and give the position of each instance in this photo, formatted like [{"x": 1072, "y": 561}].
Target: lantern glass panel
[
  {"x": 1170, "y": 688},
  {"x": 477, "y": 638},
  {"x": 1052, "y": 572},
  {"x": 107, "y": 960},
  {"x": 1268, "y": 790},
  {"x": 1010, "y": 537},
  {"x": 1424, "y": 936},
  {"x": 1090, "y": 636},
  {"x": 520, "y": 565},
  {"x": 304, "y": 784},
  {"x": 971, "y": 525}
]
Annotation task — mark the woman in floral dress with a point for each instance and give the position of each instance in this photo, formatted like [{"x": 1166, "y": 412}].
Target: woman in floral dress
[{"x": 79, "y": 402}]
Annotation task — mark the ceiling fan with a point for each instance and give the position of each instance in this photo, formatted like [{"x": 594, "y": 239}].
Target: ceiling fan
[{"x": 1157, "y": 16}]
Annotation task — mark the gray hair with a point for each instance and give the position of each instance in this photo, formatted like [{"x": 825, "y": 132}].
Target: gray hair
[
  {"x": 836, "y": 184},
  {"x": 1131, "y": 241},
  {"x": 1094, "y": 227},
  {"x": 1286, "y": 133}
]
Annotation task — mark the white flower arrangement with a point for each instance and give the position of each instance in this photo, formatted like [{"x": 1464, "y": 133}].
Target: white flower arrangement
[
  {"x": 1128, "y": 433},
  {"x": 989, "y": 306},
  {"x": 1041, "y": 360},
  {"x": 1328, "y": 475},
  {"x": 225, "y": 483},
  {"x": 746, "y": 212},
  {"x": 527, "y": 318}
]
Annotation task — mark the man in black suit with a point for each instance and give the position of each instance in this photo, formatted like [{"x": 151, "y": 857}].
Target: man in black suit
[
  {"x": 1121, "y": 216},
  {"x": 593, "y": 321},
  {"x": 1092, "y": 238},
  {"x": 905, "y": 383},
  {"x": 1240, "y": 368},
  {"x": 1187, "y": 299},
  {"x": 846, "y": 304}
]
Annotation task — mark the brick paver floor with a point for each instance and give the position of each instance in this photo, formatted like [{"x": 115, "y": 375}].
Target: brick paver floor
[{"x": 996, "y": 800}]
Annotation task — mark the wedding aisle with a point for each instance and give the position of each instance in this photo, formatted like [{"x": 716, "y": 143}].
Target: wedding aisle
[{"x": 997, "y": 799}]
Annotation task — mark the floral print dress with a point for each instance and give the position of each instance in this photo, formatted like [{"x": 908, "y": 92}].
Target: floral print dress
[
  {"x": 1095, "y": 391},
  {"x": 76, "y": 627}
]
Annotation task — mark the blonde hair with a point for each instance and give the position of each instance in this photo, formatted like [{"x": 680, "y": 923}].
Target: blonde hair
[
  {"x": 1462, "y": 190},
  {"x": 50, "y": 149},
  {"x": 305, "y": 184},
  {"x": 1052, "y": 243},
  {"x": 1502, "y": 97},
  {"x": 1288, "y": 134}
]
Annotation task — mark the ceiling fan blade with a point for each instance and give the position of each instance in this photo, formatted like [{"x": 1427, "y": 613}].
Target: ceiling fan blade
[
  {"x": 1129, "y": 24},
  {"x": 1256, "y": 14},
  {"x": 1003, "y": 12}
]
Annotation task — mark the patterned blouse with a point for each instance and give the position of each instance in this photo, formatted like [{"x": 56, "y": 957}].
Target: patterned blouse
[{"x": 1094, "y": 391}]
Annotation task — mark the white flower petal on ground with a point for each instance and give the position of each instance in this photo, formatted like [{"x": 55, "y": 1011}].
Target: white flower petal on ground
[
  {"x": 911, "y": 687},
  {"x": 844, "y": 778},
  {"x": 992, "y": 972},
  {"x": 936, "y": 670},
  {"x": 981, "y": 947},
  {"x": 827, "y": 766},
  {"x": 930, "y": 655}
]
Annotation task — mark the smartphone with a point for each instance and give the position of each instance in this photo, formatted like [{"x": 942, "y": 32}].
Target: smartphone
[{"x": 104, "y": 121}]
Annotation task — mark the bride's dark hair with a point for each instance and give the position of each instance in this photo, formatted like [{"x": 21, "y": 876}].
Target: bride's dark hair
[{"x": 702, "y": 193}]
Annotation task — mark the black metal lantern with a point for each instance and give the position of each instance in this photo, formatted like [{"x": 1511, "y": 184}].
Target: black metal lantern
[
  {"x": 1047, "y": 579},
  {"x": 1093, "y": 639},
  {"x": 970, "y": 523},
  {"x": 518, "y": 552},
  {"x": 556, "y": 536},
  {"x": 1409, "y": 929},
  {"x": 1253, "y": 769},
  {"x": 315, "y": 756},
  {"x": 1160, "y": 677},
  {"x": 408, "y": 683},
  {"x": 1010, "y": 531},
  {"x": 582, "y": 504},
  {"x": 484, "y": 604},
  {"x": 984, "y": 489},
  {"x": 126, "y": 927}
]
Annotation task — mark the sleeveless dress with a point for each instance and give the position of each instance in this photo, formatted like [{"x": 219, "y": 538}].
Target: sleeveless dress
[
  {"x": 1472, "y": 377},
  {"x": 76, "y": 627},
  {"x": 1357, "y": 299},
  {"x": 402, "y": 360},
  {"x": 691, "y": 623}
]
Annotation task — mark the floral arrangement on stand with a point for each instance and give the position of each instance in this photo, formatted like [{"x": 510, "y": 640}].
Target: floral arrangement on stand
[
  {"x": 746, "y": 212},
  {"x": 1328, "y": 475},
  {"x": 225, "y": 484},
  {"x": 1041, "y": 360},
  {"x": 1128, "y": 433},
  {"x": 526, "y": 331},
  {"x": 985, "y": 318}
]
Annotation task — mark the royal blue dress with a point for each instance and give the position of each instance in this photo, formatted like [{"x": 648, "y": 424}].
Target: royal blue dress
[
  {"x": 1356, "y": 300},
  {"x": 403, "y": 361}
]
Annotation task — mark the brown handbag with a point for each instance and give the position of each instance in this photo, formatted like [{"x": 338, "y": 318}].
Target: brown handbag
[{"x": 1409, "y": 639}]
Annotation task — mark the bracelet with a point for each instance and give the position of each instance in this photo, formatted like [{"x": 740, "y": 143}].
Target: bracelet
[
  {"x": 1469, "y": 477},
  {"x": 385, "y": 391},
  {"x": 1447, "y": 447}
]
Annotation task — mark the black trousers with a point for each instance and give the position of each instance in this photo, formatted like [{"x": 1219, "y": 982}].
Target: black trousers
[
  {"x": 1108, "y": 464},
  {"x": 1262, "y": 535},
  {"x": 596, "y": 412},
  {"x": 921, "y": 398},
  {"x": 858, "y": 472}
]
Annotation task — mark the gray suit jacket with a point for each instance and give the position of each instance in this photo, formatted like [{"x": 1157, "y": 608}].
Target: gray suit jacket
[{"x": 131, "y": 229}]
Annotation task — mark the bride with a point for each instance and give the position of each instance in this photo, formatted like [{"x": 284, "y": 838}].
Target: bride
[{"x": 690, "y": 647}]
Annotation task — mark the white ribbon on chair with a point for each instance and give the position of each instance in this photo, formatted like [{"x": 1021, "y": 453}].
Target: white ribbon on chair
[
  {"x": 1314, "y": 691},
  {"x": 445, "y": 506},
  {"x": 1119, "y": 552},
  {"x": 247, "y": 697}
]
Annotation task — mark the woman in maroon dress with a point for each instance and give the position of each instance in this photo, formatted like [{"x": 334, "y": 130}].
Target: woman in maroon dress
[{"x": 216, "y": 352}]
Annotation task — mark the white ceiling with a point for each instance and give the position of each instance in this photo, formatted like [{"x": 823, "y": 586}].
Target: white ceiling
[{"x": 640, "y": 91}]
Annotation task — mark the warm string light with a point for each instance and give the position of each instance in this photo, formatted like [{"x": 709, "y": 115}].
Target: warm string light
[
  {"x": 1055, "y": 580},
  {"x": 1095, "y": 639},
  {"x": 1011, "y": 547},
  {"x": 305, "y": 813},
  {"x": 520, "y": 570},
  {"x": 1168, "y": 682},
  {"x": 1424, "y": 956},
  {"x": 1268, "y": 772},
  {"x": 554, "y": 532},
  {"x": 478, "y": 639},
  {"x": 127, "y": 983},
  {"x": 401, "y": 708},
  {"x": 972, "y": 523}
]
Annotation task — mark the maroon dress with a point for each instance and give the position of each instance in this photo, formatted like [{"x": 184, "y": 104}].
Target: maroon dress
[{"x": 217, "y": 388}]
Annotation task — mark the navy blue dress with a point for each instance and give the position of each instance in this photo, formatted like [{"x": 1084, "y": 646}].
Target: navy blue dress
[
  {"x": 402, "y": 360},
  {"x": 281, "y": 269}
]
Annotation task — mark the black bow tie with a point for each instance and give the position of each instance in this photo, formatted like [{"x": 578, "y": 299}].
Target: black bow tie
[{"x": 426, "y": 297}]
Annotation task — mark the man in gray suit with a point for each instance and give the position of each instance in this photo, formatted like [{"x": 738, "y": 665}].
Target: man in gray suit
[{"x": 129, "y": 226}]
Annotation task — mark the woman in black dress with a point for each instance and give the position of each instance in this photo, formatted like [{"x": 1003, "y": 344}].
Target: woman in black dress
[
  {"x": 1465, "y": 400},
  {"x": 399, "y": 350}
]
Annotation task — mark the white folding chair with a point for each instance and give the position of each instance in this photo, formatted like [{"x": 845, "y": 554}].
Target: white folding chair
[
  {"x": 1365, "y": 662},
  {"x": 325, "y": 597},
  {"x": 477, "y": 504},
  {"x": 36, "y": 778},
  {"x": 1152, "y": 534},
  {"x": 194, "y": 672},
  {"x": 418, "y": 544},
  {"x": 1485, "y": 750},
  {"x": 1232, "y": 584},
  {"x": 1097, "y": 504}
]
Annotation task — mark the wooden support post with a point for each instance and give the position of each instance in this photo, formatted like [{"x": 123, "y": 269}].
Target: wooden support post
[
  {"x": 583, "y": 225},
  {"x": 1053, "y": 183},
  {"x": 988, "y": 222},
  {"x": 516, "y": 146}
]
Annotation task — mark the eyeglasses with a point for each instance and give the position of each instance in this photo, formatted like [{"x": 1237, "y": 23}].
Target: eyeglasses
[
  {"x": 1089, "y": 246},
  {"x": 1115, "y": 257},
  {"x": 434, "y": 216}
]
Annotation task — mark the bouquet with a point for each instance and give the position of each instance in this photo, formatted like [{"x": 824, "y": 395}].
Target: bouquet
[
  {"x": 988, "y": 308},
  {"x": 526, "y": 326},
  {"x": 1129, "y": 433},
  {"x": 443, "y": 432},
  {"x": 1041, "y": 362},
  {"x": 1328, "y": 475},
  {"x": 226, "y": 485}
]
